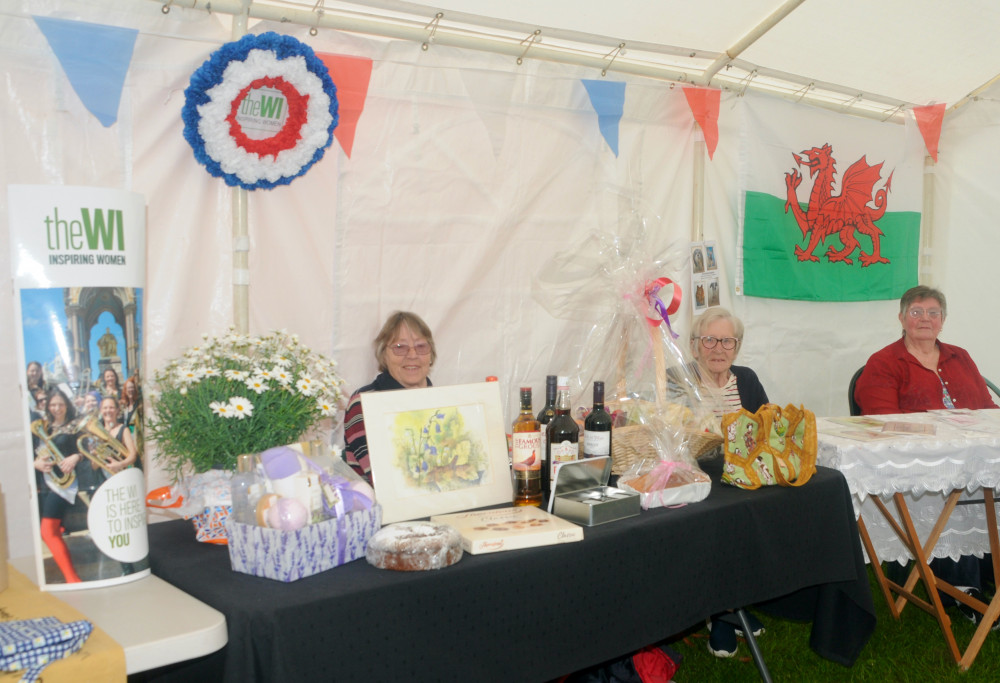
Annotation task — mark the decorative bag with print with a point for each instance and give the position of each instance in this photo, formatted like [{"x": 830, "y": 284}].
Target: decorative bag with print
[{"x": 772, "y": 446}]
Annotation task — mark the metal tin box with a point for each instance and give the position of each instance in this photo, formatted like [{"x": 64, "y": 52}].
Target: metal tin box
[{"x": 580, "y": 493}]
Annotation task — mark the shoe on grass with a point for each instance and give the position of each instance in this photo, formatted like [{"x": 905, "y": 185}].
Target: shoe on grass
[
  {"x": 722, "y": 638},
  {"x": 972, "y": 615},
  {"x": 756, "y": 627}
]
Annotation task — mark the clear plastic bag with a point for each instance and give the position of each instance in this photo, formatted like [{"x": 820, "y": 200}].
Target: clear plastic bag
[{"x": 628, "y": 290}]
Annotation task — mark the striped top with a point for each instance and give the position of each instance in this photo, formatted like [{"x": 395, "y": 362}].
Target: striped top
[{"x": 723, "y": 399}]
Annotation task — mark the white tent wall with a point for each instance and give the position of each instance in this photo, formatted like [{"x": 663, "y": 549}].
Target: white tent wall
[{"x": 456, "y": 194}]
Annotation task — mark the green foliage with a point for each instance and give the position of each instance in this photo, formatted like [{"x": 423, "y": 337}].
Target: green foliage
[{"x": 239, "y": 394}]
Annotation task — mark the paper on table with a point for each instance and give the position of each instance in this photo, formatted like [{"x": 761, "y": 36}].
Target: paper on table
[{"x": 899, "y": 427}]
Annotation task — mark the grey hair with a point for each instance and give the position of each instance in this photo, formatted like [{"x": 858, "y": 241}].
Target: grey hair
[
  {"x": 703, "y": 321},
  {"x": 922, "y": 292}
]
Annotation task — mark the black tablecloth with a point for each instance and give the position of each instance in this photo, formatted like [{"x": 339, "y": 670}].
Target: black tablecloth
[{"x": 538, "y": 613}]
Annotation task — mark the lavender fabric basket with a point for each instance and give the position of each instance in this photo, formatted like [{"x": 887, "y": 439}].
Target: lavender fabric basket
[{"x": 292, "y": 555}]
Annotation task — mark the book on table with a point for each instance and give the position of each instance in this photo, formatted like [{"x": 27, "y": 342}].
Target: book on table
[{"x": 490, "y": 531}]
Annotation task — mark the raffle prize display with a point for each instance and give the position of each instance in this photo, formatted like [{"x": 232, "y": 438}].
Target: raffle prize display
[
  {"x": 296, "y": 515},
  {"x": 644, "y": 378}
]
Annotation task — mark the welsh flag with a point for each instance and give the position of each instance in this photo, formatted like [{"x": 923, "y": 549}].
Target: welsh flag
[{"x": 829, "y": 204}]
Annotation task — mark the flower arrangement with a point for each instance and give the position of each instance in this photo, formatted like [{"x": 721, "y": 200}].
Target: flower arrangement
[{"x": 239, "y": 394}]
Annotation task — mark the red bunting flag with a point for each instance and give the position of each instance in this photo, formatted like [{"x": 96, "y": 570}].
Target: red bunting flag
[
  {"x": 704, "y": 103},
  {"x": 351, "y": 75},
  {"x": 929, "y": 120}
]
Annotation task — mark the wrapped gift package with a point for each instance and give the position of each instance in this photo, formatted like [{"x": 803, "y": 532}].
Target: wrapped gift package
[
  {"x": 292, "y": 555},
  {"x": 580, "y": 493}
]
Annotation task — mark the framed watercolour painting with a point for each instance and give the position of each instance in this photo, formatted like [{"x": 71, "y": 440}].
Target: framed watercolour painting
[{"x": 437, "y": 450}]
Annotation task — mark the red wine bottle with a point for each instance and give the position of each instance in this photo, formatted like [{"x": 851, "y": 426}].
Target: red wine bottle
[
  {"x": 562, "y": 438},
  {"x": 597, "y": 427},
  {"x": 545, "y": 416}
]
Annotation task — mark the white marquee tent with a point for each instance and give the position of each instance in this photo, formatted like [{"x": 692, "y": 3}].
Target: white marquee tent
[{"x": 477, "y": 158}]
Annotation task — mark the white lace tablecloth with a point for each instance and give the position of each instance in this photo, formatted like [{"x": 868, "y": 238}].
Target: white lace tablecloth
[{"x": 925, "y": 468}]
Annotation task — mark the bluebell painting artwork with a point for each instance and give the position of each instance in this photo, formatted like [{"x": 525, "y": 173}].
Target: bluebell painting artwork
[{"x": 442, "y": 449}]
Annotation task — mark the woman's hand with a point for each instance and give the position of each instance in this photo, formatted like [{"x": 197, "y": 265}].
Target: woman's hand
[
  {"x": 43, "y": 463},
  {"x": 69, "y": 464}
]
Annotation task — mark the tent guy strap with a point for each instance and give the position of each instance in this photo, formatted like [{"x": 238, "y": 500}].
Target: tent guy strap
[{"x": 403, "y": 21}]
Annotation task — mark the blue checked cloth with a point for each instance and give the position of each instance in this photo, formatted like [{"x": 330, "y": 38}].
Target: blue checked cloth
[{"x": 29, "y": 645}]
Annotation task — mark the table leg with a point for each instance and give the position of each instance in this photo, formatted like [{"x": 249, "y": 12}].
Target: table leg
[
  {"x": 922, "y": 568},
  {"x": 880, "y": 578},
  {"x": 993, "y": 610}
]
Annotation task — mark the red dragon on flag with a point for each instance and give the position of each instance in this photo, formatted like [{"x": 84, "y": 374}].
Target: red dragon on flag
[{"x": 843, "y": 215}]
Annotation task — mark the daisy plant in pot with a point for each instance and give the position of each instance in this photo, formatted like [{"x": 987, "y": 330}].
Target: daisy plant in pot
[{"x": 236, "y": 394}]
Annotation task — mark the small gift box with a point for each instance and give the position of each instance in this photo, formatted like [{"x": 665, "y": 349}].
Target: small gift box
[
  {"x": 581, "y": 493},
  {"x": 291, "y": 555}
]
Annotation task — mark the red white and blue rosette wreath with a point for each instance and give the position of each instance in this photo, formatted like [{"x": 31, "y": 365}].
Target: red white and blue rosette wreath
[{"x": 218, "y": 89}]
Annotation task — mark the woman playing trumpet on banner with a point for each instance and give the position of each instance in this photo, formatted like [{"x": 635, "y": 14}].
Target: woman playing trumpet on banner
[
  {"x": 59, "y": 479},
  {"x": 112, "y": 443}
]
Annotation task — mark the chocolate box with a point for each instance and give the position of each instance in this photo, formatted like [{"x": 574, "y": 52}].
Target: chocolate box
[
  {"x": 291, "y": 555},
  {"x": 580, "y": 493}
]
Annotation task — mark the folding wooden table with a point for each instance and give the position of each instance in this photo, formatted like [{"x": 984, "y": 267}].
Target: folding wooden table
[{"x": 904, "y": 469}]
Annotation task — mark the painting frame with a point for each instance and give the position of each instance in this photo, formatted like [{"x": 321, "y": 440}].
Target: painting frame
[{"x": 456, "y": 460}]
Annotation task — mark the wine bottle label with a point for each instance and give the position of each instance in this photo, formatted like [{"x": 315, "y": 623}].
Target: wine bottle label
[
  {"x": 596, "y": 443},
  {"x": 565, "y": 450},
  {"x": 527, "y": 451}
]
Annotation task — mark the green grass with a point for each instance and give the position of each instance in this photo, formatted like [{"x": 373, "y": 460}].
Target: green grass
[{"x": 910, "y": 650}]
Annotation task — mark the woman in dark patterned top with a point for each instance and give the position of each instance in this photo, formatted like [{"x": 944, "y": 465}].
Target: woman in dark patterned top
[{"x": 405, "y": 352}]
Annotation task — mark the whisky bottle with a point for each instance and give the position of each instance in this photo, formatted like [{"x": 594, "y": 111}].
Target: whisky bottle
[{"x": 527, "y": 454}]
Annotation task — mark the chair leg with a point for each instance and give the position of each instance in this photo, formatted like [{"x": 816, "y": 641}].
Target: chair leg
[{"x": 758, "y": 657}]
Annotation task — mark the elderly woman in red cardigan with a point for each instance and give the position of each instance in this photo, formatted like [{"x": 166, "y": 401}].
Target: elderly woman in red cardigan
[{"x": 917, "y": 373}]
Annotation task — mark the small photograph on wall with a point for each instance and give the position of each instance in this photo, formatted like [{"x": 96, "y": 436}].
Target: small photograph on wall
[{"x": 704, "y": 276}]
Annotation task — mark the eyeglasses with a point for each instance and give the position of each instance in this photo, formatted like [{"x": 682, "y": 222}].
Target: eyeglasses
[
  {"x": 422, "y": 349},
  {"x": 728, "y": 343},
  {"x": 932, "y": 313}
]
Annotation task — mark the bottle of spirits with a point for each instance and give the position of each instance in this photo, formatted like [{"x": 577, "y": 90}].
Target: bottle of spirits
[
  {"x": 597, "y": 427},
  {"x": 545, "y": 416},
  {"x": 527, "y": 454},
  {"x": 562, "y": 438}
]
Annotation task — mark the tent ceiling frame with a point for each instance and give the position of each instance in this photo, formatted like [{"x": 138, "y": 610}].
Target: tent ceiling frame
[{"x": 604, "y": 54}]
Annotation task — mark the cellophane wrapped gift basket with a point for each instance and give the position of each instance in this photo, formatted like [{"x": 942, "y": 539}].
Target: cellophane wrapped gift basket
[
  {"x": 311, "y": 513},
  {"x": 630, "y": 288}
]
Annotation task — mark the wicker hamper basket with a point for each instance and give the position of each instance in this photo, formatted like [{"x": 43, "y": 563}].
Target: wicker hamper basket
[{"x": 634, "y": 443}]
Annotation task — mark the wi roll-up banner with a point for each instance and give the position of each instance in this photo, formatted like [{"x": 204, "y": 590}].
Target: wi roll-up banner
[{"x": 78, "y": 256}]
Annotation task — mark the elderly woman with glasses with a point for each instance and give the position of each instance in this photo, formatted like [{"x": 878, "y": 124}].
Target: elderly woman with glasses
[
  {"x": 917, "y": 372},
  {"x": 405, "y": 352},
  {"x": 716, "y": 336}
]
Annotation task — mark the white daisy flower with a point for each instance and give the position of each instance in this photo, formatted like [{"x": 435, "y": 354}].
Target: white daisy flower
[
  {"x": 307, "y": 386},
  {"x": 281, "y": 361},
  {"x": 326, "y": 406},
  {"x": 210, "y": 372},
  {"x": 189, "y": 375},
  {"x": 257, "y": 384},
  {"x": 281, "y": 375},
  {"x": 241, "y": 407},
  {"x": 221, "y": 409},
  {"x": 237, "y": 375}
]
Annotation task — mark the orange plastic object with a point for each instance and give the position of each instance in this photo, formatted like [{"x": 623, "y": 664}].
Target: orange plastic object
[{"x": 157, "y": 498}]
